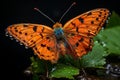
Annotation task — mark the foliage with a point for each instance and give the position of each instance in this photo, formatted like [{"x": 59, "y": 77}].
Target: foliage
[
  {"x": 95, "y": 58},
  {"x": 109, "y": 38},
  {"x": 62, "y": 70},
  {"x": 114, "y": 20}
]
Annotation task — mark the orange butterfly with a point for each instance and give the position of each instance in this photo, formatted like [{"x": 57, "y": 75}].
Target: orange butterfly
[{"x": 75, "y": 37}]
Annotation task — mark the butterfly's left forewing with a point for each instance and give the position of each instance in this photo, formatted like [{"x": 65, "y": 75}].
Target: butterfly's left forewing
[
  {"x": 38, "y": 37},
  {"x": 80, "y": 30},
  {"x": 29, "y": 34}
]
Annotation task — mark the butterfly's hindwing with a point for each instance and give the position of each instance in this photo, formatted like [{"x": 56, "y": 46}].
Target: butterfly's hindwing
[{"x": 47, "y": 49}]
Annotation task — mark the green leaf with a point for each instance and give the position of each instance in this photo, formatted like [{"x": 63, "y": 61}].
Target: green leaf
[
  {"x": 64, "y": 71},
  {"x": 69, "y": 60},
  {"x": 35, "y": 77},
  {"x": 38, "y": 65},
  {"x": 114, "y": 20},
  {"x": 110, "y": 39},
  {"x": 110, "y": 36},
  {"x": 95, "y": 58}
]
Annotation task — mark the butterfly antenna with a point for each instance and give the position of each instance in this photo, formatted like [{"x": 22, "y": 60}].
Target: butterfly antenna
[
  {"x": 67, "y": 11},
  {"x": 44, "y": 14}
]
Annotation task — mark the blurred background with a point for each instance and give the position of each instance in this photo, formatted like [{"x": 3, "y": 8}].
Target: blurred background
[{"x": 14, "y": 57}]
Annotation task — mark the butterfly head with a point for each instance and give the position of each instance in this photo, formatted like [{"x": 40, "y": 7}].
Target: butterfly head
[{"x": 57, "y": 25}]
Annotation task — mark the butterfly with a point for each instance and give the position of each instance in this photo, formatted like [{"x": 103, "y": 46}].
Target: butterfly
[{"x": 75, "y": 37}]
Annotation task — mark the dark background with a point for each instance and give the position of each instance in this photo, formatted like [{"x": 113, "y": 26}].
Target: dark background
[{"x": 14, "y": 57}]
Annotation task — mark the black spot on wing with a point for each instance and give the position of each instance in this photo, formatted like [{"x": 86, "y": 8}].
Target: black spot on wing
[
  {"x": 35, "y": 28},
  {"x": 88, "y": 34},
  {"x": 43, "y": 29},
  {"x": 92, "y": 22},
  {"x": 81, "y": 20},
  {"x": 97, "y": 19},
  {"x": 26, "y": 34},
  {"x": 104, "y": 16},
  {"x": 31, "y": 41},
  {"x": 14, "y": 27},
  {"x": 37, "y": 50},
  {"x": 20, "y": 32},
  {"x": 53, "y": 59},
  {"x": 43, "y": 45},
  {"x": 25, "y": 25},
  {"x": 16, "y": 30},
  {"x": 76, "y": 29},
  {"x": 47, "y": 37},
  {"x": 73, "y": 24},
  {"x": 105, "y": 10},
  {"x": 99, "y": 24},
  {"x": 99, "y": 15},
  {"x": 81, "y": 40},
  {"x": 77, "y": 44},
  {"x": 31, "y": 35},
  {"x": 48, "y": 48},
  {"x": 42, "y": 55},
  {"x": 23, "y": 40},
  {"x": 89, "y": 14},
  {"x": 100, "y": 12},
  {"x": 41, "y": 35}
]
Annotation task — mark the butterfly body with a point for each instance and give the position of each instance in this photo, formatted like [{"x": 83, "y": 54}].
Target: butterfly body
[
  {"x": 58, "y": 31},
  {"x": 74, "y": 38}
]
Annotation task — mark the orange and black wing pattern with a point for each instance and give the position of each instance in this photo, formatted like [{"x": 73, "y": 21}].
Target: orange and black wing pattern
[
  {"x": 38, "y": 37},
  {"x": 81, "y": 29}
]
